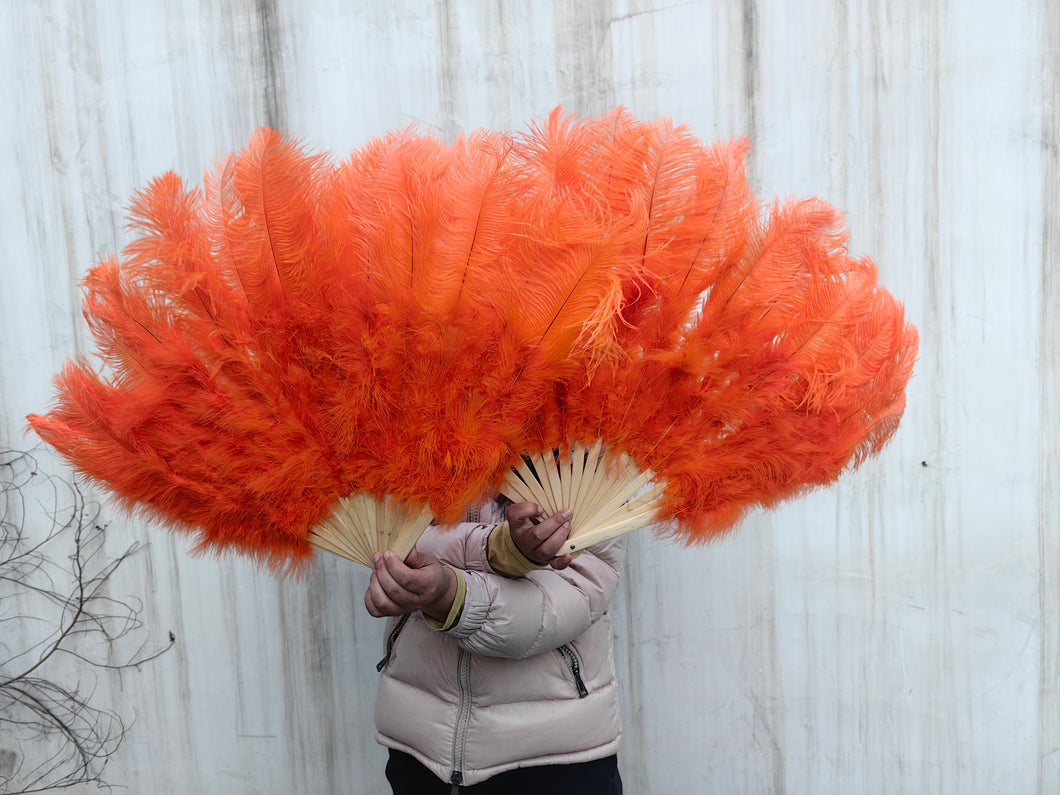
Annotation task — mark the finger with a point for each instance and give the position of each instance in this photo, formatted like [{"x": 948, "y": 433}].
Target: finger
[
  {"x": 378, "y": 603},
  {"x": 373, "y": 607},
  {"x": 417, "y": 560},
  {"x": 414, "y": 583},
  {"x": 548, "y": 548},
  {"x": 552, "y": 531},
  {"x": 561, "y": 562},
  {"x": 369, "y": 605},
  {"x": 385, "y": 575},
  {"x": 523, "y": 510}
]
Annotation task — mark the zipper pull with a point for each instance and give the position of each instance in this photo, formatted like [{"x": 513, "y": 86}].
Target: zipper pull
[
  {"x": 583, "y": 691},
  {"x": 568, "y": 655}
]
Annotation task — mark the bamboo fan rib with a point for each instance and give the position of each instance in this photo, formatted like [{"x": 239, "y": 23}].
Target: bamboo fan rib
[
  {"x": 607, "y": 493},
  {"x": 361, "y": 525}
]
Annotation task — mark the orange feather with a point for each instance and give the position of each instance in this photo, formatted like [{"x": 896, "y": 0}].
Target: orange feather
[
  {"x": 793, "y": 370},
  {"x": 407, "y": 322}
]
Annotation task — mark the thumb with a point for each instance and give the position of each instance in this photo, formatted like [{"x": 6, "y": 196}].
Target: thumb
[
  {"x": 522, "y": 510},
  {"x": 417, "y": 560}
]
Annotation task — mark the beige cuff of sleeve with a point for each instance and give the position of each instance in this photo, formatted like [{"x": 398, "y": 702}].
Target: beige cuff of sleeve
[
  {"x": 455, "y": 610},
  {"x": 504, "y": 556}
]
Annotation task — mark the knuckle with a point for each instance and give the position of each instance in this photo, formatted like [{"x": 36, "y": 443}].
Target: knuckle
[{"x": 542, "y": 532}]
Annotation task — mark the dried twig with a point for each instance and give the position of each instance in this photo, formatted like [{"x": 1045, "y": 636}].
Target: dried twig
[{"x": 54, "y": 599}]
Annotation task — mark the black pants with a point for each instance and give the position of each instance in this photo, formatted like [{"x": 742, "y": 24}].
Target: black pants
[{"x": 600, "y": 777}]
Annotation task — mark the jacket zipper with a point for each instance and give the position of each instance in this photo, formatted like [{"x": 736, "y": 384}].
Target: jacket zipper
[
  {"x": 575, "y": 668},
  {"x": 391, "y": 640},
  {"x": 464, "y": 678},
  {"x": 460, "y": 736}
]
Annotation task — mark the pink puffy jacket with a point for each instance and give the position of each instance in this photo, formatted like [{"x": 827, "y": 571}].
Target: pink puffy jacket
[{"x": 525, "y": 677}]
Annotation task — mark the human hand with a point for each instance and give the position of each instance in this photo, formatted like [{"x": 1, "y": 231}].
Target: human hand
[
  {"x": 539, "y": 541},
  {"x": 417, "y": 583}
]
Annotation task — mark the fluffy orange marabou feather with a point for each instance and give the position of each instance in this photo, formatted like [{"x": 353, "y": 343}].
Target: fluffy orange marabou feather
[
  {"x": 759, "y": 359},
  {"x": 299, "y": 330},
  {"x": 481, "y": 287},
  {"x": 210, "y": 417},
  {"x": 410, "y": 320}
]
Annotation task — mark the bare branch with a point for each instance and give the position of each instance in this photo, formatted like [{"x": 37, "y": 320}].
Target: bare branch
[{"x": 54, "y": 597}]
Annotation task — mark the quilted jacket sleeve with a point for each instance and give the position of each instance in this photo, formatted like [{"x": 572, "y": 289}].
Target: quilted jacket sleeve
[{"x": 521, "y": 617}]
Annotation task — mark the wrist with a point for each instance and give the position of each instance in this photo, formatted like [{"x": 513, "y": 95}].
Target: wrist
[
  {"x": 504, "y": 555},
  {"x": 439, "y": 607}
]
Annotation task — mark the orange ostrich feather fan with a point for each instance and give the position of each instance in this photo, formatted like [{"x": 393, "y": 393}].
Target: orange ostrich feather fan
[
  {"x": 305, "y": 353},
  {"x": 756, "y": 359}
]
